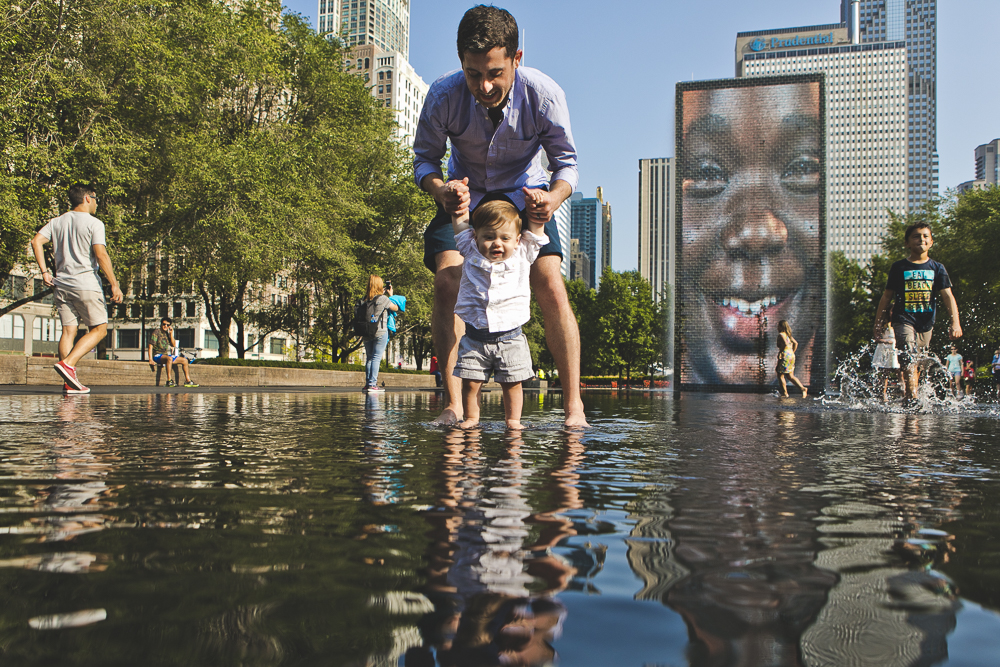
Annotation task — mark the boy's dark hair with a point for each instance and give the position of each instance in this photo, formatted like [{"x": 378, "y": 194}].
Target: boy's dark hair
[
  {"x": 485, "y": 27},
  {"x": 78, "y": 191},
  {"x": 495, "y": 214},
  {"x": 914, "y": 227}
]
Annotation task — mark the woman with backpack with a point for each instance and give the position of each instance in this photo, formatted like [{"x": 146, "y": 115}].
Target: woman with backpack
[{"x": 377, "y": 306}]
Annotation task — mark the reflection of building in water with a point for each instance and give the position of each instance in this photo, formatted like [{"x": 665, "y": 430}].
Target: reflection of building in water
[{"x": 650, "y": 547}]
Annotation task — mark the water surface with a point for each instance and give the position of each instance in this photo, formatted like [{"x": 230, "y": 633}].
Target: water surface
[{"x": 339, "y": 529}]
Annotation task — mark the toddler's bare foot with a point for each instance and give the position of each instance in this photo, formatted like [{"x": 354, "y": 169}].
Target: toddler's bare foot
[
  {"x": 448, "y": 418},
  {"x": 514, "y": 425},
  {"x": 469, "y": 423}
]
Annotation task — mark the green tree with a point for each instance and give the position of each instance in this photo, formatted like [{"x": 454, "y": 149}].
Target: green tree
[{"x": 630, "y": 326}]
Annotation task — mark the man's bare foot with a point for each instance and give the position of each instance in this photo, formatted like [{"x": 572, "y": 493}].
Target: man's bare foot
[
  {"x": 469, "y": 423},
  {"x": 447, "y": 418},
  {"x": 805, "y": 393},
  {"x": 514, "y": 425},
  {"x": 576, "y": 420}
]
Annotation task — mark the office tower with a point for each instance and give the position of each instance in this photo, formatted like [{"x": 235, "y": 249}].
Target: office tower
[
  {"x": 987, "y": 165},
  {"x": 384, "y": 24},
  {"x": 605, "y": 230},
  {"x": 915, "y": 23},
  {"x": 563, "y": 219},
  {"x": 393, "y": 82},
  {"x": 656, "y": 223},
  {"x": 585, "y": 214},
  {"x": 579, "y": 263},
  {"x": 866, "y": 122}
]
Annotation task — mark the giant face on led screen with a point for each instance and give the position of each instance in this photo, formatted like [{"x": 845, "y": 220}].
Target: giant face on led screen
[{"x": 751, "y": 229}]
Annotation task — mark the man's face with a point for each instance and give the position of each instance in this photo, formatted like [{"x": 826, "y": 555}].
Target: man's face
[
  {"x": 91, "y": 202},
  {"x": 165, "y": 326},
  {"x": 919, "y": 241},
  {"x": 490, "y": 75},
  {"x": 751, "y": 177},
  {"x": 498, "y": 243}
]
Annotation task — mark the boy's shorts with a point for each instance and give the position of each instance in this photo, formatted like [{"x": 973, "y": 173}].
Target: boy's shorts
[
  {"x": 439, "y": 236},
  {"x": 911, "y": 343},
  {"x": 86, "y": 307},
  {"x": 507, "y": 360}
]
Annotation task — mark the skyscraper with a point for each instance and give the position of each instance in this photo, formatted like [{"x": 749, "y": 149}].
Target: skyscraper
[
  {"x": 382, "y": 23},
  {"x": 605, "y": 230},
  {"x": 866, "y": 122},
  {"x": 656, "y": 223},
  {"x": 915, "y": 23},
  {"x": 987, "y": 163},
  {"x": 585, "y": 213},
  {"x": 377, "y": 33}
]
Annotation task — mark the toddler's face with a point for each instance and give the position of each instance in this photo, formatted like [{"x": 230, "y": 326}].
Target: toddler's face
[{"x": 498, "y": 243}]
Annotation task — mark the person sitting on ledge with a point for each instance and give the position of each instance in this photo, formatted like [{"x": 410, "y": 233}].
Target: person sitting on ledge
[{"x": 161, "y": 343}]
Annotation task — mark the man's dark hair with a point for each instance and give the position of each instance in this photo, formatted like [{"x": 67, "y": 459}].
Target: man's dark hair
[
  {"x": 78, "y": 191},
  {"x": 485, "y": 27},
  {"x": 914, "y": 227},
  {"x": 165, "y": 320}
]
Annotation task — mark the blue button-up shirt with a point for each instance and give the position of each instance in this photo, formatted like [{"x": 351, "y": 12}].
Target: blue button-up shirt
[{"x": 535, "y": 117}]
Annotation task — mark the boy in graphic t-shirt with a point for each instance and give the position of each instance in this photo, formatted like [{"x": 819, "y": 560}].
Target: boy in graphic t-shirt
[{"x": 910, "y": 291}]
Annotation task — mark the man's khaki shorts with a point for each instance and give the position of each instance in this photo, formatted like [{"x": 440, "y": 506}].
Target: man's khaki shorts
[{"x": 76, "y": 308}]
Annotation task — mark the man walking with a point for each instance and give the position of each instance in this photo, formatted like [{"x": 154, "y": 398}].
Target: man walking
[
  {"x": 497, "y": 115},
  {"x": 79, "y": 248}
]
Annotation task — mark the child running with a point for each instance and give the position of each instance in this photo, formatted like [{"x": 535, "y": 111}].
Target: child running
[
  {"x": 494, "y": 301},
  {"x": 955, "y": 371},
  {"x": 884, "y": 359},
  {"x": 786, "y": 359}
]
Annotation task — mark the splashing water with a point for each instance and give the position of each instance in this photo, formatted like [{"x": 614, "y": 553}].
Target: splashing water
[{"x": 868, "y": 388}]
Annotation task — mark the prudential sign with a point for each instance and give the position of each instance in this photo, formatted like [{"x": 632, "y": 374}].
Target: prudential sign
[{"x": 761, "y": 44}]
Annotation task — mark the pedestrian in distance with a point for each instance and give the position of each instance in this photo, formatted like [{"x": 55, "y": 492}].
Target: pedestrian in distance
[
  {"x": 910, "y": 293},
  {"x": 995, "y": 370},
  {"x": 435, "y": 370},
  {"x": 161, "y": 350},
  {"x": 494, "y": 301},
  {"x": 885, "y": 360},
  {"x": 787, "y": 345},
  {"x": 80, "y": 251},
  {"x": 969, "y": 376},
  {"x": 496, "y": 116},
  {"x": 954, "y": 361},
  {"x": 379, "y": 304}
]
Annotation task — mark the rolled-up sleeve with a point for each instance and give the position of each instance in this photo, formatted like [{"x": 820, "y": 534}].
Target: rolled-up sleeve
[
  {"x": 430, "y": 142},
  {"x": 557, "y": 139}
]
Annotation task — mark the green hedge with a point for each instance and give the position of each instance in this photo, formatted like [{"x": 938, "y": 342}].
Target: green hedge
[{"x": 309, "y": 365}]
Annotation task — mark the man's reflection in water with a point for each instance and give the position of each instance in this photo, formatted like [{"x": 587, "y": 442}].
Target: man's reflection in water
[
  {"x": 493, "y": 592},
  {"x": 746, "y": 540}
]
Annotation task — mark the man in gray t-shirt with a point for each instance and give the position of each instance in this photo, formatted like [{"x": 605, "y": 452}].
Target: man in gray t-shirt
[{"x": 80, "y": 249}]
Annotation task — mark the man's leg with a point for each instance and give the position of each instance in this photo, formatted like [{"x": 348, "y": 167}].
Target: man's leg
[
  {"x": 562, "y": 334},
  {"x": 168, "y": 365},
  {"x": 447, "y": 329},
  {"x": 183, "y": 363},
  {"x": 66, "y": 342},
  {"x": 86, "y": 343}
]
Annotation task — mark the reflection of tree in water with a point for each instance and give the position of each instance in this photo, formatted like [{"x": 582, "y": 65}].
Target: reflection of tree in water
[{"x": 493, "y": 592}]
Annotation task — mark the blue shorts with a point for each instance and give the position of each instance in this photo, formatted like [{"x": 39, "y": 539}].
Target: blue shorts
[
  {"x": 158, "y": 358},
  {"x": 439, "y": 236}
]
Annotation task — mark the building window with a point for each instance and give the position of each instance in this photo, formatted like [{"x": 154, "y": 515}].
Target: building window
[
  {"x": 45, "y": 329},
  {"x": 128, "y": 339},
  {"x": 12, "y": 327},
  {"x": 184, "y": 338},
  {"x": 177, "y": 309},
  {"x": 277, "y": 346},
  {"x": 211, "y": 342}
]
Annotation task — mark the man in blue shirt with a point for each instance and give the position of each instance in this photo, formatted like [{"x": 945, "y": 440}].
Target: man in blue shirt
[{"x": 497, "y": 116}]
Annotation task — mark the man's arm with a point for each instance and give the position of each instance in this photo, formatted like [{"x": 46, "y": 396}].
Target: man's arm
[
  {"x": 541, "y": 208},
  {"x": 104, "y": 261},
  {"x": 37, "y": 246},
  {"x": 955, "y": 330},
  {"x": 881, "y": 313},
  {"x": 453, "y": 196},
  {"x": 149, "y": 352}
]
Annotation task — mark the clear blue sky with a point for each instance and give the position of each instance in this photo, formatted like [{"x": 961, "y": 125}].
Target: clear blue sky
[{"x": 619, "y": 68}]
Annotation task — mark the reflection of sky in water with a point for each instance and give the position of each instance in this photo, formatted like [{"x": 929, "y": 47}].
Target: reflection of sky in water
[{"x": 707, "y": 530}]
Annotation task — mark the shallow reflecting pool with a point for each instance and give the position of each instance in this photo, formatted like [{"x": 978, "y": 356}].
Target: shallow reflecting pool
[{"x": 339, "y": 529}]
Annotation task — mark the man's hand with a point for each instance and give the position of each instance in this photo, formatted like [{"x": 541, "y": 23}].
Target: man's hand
[
  {"x": 116, "y": 294},
  {"x": 454, "y": 197},
  {"x": 48, "y": 279},
  {"x": 955, "y": 330},
  {"x": 540, "y": 204}
]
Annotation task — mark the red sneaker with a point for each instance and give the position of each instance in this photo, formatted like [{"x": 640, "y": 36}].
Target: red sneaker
[
  {"x": 69, "y": 390},
  {"x": 69, "y": 375}
]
